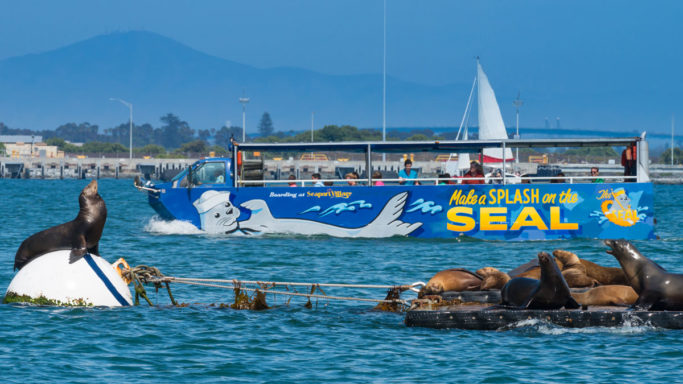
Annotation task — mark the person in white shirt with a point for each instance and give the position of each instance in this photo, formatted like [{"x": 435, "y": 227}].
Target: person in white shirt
[{"x": 318, "y": 182}]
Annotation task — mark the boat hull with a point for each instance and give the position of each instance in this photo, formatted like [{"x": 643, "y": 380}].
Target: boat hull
[{"x": 487, "y": 212}]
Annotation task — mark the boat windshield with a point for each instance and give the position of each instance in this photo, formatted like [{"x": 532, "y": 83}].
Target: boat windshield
[
  {"x": 212, "y": 172},
  {"x": 179, "y": 175}
]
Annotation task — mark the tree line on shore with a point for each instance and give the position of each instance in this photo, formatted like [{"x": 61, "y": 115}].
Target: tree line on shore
[{"x": 176, "y": 139}]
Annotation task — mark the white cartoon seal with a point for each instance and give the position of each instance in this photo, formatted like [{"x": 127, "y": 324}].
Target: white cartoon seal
[
  {"x": 216, "y": 212},
  {"x": 218, "y": 215}
]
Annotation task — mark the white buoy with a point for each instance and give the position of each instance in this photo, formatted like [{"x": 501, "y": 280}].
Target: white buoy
[{"x": 50, "y": 279}]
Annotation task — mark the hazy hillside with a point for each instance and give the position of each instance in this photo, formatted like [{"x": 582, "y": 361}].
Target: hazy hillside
[{"x": 159, "y": 75}]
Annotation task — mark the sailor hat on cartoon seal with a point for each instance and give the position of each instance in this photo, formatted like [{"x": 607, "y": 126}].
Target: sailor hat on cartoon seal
[{"x": 216, "y": 212}]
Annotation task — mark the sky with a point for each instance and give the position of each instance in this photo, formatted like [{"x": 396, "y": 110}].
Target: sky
[{"x": 542, "y": 49}]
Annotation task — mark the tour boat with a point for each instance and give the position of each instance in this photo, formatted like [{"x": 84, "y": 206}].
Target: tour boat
[{"x": 220, "y": 195}]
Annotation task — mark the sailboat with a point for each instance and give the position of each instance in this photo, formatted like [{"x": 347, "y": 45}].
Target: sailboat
[{"x": 491, "y": 126}]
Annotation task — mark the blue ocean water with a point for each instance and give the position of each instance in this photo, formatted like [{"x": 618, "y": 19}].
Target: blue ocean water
[{"x": 332, "y": 342}]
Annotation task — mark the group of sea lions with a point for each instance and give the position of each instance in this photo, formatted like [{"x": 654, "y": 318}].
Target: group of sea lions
[{"x": 639, "y": 283}]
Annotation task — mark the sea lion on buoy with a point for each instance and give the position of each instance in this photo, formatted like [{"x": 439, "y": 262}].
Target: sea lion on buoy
[
  {"x": 657, "y": 289},
  {"x": 573, "y": 270},
  {"x": 550, "y": 292},
  {"x": 81, "y": 235},
  {"x": 492, "y": 278},
  {"x": 456, "y": 279},
  {"x": 603, "y": 275},
  {"x": 607, "y": 295}
]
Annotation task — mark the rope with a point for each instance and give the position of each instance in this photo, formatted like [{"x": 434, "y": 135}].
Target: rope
[
  {"x": 296, "y": 293},
  {"x": 146, "y": 274},
  {"x": 283, "y": 283}
]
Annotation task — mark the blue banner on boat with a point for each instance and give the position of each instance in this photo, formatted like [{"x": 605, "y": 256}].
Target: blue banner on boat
[{"x": 489, "y": 212}]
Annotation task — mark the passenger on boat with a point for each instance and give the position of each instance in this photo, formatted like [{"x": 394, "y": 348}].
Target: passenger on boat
[
  {"x": 596, "y": 172},
  {"x": 496, "y": 177},
  {"x": 628, "y": 161},
  {"x": 318, "y": 182},
  {"x": 406, "y": 176},
  {"x": 351, "y": 178},
  {"x": 219, "y": 178},
  {"x": 444, "y": 179},
  {"x": 561, "y": 174},
  {"x": 292, "y": 183},
  {"x": 377, "y": 175},
  {"x": 476, "y": 171}
]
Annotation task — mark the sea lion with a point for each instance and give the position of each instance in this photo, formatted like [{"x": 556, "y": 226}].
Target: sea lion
[
  {"x": 532, "y": 269},
  {"x": 607, "y": 295},
  {"x": 80, "y": 235},
  {"x": 657, "y": 289},
  {"x": 550, "y": 292},
  {"x": 573, "y": 270},
  {"x": 576, "y": 278},
  {"x": 456, "y": 279},
  {"x": 492, "y": 278},
  {"x": 603, "y": 275}
]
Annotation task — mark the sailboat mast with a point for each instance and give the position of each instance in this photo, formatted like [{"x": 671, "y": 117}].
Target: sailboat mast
[{"x": 467, "y": 108}]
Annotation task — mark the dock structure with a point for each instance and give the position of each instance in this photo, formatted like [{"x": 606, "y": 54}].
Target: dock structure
[
  {"x": 89, "y": 168},
  {"x": 165, "y": 169},
  {"x": 485, "y": 318}
]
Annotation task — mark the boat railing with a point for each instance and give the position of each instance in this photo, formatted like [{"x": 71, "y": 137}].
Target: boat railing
[{"x": 452, "y": 181}]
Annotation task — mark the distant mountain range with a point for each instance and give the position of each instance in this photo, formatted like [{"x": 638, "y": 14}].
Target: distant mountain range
[{"x": 159, "y": 75}]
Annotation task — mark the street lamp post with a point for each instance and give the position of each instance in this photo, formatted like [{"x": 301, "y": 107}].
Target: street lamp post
[
  {"x": 384, "y": 83},
  {"x": 130, "y": 122},
  {"x": 244, "y": 101},
  {"x": 518, "y": 103}
]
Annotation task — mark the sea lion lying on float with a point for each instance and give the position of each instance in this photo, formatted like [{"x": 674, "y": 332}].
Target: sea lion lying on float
[
  {"x": 607, "y": 295},
  {"x": 573, "y": 273},
  {"x": 455, "y": 279},
  {"x": 573, "y": 270},
  {"x": 603, "y": 275},
  {"x": 492, "y": 278}
]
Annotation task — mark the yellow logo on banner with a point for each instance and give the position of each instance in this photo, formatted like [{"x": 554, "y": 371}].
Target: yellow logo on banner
[{"x": 617, "y": 208}]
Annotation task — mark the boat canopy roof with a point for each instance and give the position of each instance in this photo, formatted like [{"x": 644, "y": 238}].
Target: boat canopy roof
[{"x": 435, "y": 146}]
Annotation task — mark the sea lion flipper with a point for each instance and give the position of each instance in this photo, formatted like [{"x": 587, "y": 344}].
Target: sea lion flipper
[
  {"x": 571, "y": 303},
  {"x": 76, "y": 254}
]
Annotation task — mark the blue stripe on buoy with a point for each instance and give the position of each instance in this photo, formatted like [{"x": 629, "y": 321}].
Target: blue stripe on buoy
[{"x": 105, "y": 280}]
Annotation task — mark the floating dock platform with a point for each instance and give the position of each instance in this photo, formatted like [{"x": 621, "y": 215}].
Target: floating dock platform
[{"x": 484, "y": 317}]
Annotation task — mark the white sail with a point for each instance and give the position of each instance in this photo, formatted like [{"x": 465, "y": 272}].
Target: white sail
[
  {"x": 490, "y": 120},
  {"x": 464, "y": 158}
]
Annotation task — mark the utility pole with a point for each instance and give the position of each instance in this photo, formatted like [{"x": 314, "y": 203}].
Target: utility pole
[{"x": 312, "y": 124}]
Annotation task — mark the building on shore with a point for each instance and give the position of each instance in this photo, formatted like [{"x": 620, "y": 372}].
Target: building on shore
[{"x": 22, "y": 146}]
